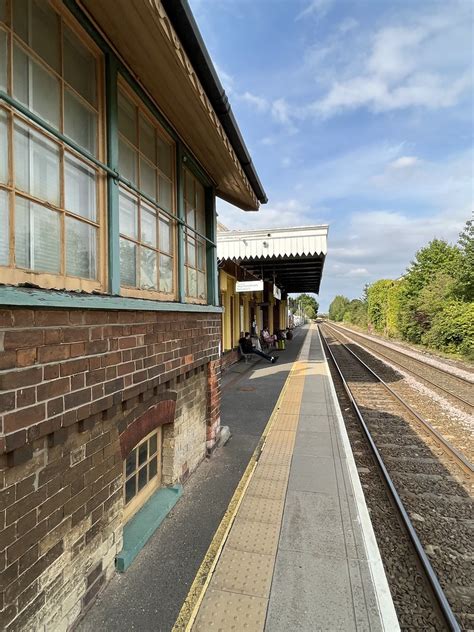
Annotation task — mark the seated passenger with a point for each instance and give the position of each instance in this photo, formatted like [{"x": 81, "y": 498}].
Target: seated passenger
[
  {"x": 248, "y": 347},
  {"x": 267, "y": 336}
]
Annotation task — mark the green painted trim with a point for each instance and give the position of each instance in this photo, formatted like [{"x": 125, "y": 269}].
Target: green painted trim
[
  {"x": 211, "y": 250},
  {"x": 181, "y": 231},
  {"x": 142, "y": 526},
  {"x": 113, "y": 232},
  {"x": 37, "y": 298}
]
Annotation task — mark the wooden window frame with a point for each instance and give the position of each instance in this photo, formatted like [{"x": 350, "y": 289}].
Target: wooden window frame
[
  {"x": 10, "y": 273},
  {"x": 141, "y": 497},
  {"x": 136, "y": 292}
]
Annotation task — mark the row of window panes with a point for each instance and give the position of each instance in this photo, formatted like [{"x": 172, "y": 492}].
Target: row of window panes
[
  {"x": 141, "y": 466},
  {"x": 145, "y": 157},
  {"x": 38, "y": 167},
  {"x": 44, "y": 86}
]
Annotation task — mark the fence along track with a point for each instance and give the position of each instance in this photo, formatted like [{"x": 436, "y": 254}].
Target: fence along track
[
  {"x": 453, "y": 383},
  {"x": 438, "y": 592}
]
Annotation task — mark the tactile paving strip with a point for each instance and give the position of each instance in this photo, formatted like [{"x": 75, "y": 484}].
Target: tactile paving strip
[
  {"x": 254, "y": 537},
  {"x": 261, "y": 509},
  {"x": 243, "y": 572},
  {"x": 224, "y": 611}
]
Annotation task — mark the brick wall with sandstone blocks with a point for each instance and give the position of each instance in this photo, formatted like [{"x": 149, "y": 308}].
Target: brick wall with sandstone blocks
[{"x": 72, "y": 384}]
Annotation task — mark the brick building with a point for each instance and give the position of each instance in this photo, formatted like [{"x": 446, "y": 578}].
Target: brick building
[{"x": 115, "y": 138}]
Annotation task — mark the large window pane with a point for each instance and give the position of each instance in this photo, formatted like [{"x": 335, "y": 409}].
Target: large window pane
[
  {"x": 127, "y": 119},
  {"x": 128, "y": 214},
  {"x": 36, "y": 164},
  {"x": 165, "y": 235},
  {"x": 164, "y": 156},
  {"x": 148, "y": 225},
  {"x": 192, "y": 282},
  {"x": 128, "y": 162},
  {"x": 80, "y": 188},
  {"x": 165, "y": 194},
  {"x": 128, "y": 263},
  {"x": 3, "y": 60},
  {"x": 79, "y": 122},
  {"x": 81, "y": 249},
  {"x": 147, "y": 139},
  {"x": 166, "y": 274},
  {"x": 79, "y": 67},
  {"x": 148, "y": 269},
  {"x": 35, "y": 87},
  {"x": 147, "y": 179},
  {"x": 37, "y": 242},
  {"x": 3, "y": 146},
  {"x": 38, "y": 25},
  {"x": 4, "y": 228},
  {"x": 201, "y": 285},
  {"x": 191, "y": 252},
  {"x": 189, "y": 188}
]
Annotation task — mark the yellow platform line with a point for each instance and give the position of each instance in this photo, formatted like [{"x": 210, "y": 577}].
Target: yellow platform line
[{"x": 196, "y": 593}]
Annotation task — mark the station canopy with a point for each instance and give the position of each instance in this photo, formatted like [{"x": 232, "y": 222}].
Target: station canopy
[{"x": 292, "y": 258}]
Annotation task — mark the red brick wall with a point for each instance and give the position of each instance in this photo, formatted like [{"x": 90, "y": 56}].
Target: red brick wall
[{"x": 71, "y": 382}]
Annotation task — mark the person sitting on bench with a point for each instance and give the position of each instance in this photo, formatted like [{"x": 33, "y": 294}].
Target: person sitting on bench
[{"x": 247, "y": 347}]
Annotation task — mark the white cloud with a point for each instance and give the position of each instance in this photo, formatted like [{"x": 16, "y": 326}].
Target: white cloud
[
  {"x": 404, "y": 66},
  {"x": 404, "y": 161},
  {"x": 358, "y": 272},
  {"x": 259, "y": 103},
  {"x": 317, "y": 8},
  {"x": 290, "y": 212},
  {"x": 348, "y": 24}
]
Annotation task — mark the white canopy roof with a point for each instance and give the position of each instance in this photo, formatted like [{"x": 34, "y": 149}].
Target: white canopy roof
[{"x": 293, "y": 257}]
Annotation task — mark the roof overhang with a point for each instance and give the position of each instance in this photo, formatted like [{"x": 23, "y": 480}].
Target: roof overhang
[
  {"x": 293, "y": 258},
  {"x": 145, "y": 37}
]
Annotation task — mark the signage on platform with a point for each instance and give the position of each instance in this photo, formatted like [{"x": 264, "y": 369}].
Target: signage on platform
[
  {"x": 276, "y": 292},
  {"x": 249, "y": 286}
]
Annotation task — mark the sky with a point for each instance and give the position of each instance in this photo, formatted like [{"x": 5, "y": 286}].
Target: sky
[{"x": 358, "y": 114}]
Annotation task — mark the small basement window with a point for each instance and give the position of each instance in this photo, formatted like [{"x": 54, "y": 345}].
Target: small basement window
[{"x": 142, "y": 472}]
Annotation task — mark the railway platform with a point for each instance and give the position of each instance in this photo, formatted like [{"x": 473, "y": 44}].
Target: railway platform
[
  {"x": 280, "y": 512},
  {"x": 300, "y": 552}
]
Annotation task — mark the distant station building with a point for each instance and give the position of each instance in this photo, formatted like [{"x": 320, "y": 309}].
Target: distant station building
[
  {"x": 115, "y": 138},
  {"x": 257, "y": 271}
]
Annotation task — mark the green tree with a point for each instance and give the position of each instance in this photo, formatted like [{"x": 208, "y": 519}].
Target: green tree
[
  {"x": 309, "y": 305},
  {"x": 338, "y": 307},
  {"x": 377, "y": 304},
  {"x": 465, "y": 286},
  {"x": 356, "y": 313}
]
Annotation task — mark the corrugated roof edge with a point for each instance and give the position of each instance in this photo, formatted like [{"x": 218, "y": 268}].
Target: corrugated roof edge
[{"x": 180, "y": 14}]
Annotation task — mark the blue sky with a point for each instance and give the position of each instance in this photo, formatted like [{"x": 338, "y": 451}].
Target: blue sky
[{"x": 358, "y": 114}]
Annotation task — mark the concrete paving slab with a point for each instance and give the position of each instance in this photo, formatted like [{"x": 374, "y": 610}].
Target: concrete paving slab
[
  {"x": 314, "y": 423},
  {"x": 243, "y": 572},
  {"x": 309, "y": 594},
  {"x": 313, "y": 474},
  {"x": 227, "y": 610},
  {"x": 313, "y": 444}
]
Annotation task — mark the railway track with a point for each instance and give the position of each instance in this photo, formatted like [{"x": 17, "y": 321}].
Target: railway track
[
  {"x": 433, "y": 505},
  {"x": 456, "y": 388}
]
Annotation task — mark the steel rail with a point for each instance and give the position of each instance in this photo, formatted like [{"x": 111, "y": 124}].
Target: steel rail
[
  {"x": 449, "y": 448},
  {"x": 423, "y": 557},
  {"x": 19, "y": 107},
  {"x": 460, "y": 378}
]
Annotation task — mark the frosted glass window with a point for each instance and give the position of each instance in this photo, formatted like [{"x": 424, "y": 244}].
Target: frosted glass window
[
  {"x": 3, "y": 60},
  {"x": 35, "y": 87},
  {"x": 164, "y": 156},
  {"x": 79, "y": 188},
  {"x": 189, "y": 188},
  {"x": 148, "y": 226},
  {"x": 148, "y": 269},
  {"x": 81, "y": 249},
  {"x": 128, "y": 162},
  {"x": 36, "y": 164},
  {"x": 79, "y": 122},
  {"x": 3, "y": 146},
  {"x": 127, "y": 119},
  {"x": 37, "y": 240},
  {"x": 191, "y": 258},
  {"x": 147, "y": 179},
  {"x": 201, "y": 285},
  {"x": 38, "y": 26},
  {"x": 200, "y": 255},
  {"x": 128, "y": 215},
  {"x": 79, "y": 67},
  {"x": 192, "y": 282},
  {"x": 4, "y": 228},
  {"x": 3, "y": 10},
  {"x": 147, "y": 139},
  {"x": 165, "y": 194},
  {"x": 165, "y": 236},
  {"x": 166, "y": 274},
  {"x": 128, "y": 263}
]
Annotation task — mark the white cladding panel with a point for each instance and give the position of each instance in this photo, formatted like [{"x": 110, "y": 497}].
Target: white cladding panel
[{"x": 311, "y": 240}]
